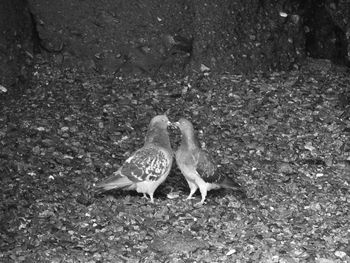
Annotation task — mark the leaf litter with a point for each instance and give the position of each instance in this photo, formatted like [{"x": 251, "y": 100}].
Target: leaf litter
[{"x": 284, "y": 137}]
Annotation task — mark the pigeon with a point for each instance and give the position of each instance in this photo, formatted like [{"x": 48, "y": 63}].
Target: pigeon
[
  {"x": 147, "y": 167},
  {"x": 197, "y": 166}
]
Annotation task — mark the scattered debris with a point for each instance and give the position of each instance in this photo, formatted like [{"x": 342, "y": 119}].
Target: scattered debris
[{"x": 287, "y": 144}]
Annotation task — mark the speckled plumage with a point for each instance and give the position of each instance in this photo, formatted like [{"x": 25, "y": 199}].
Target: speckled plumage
[
  {"x": 197, "y": 166},
  {"x": 147, "y": 167}
]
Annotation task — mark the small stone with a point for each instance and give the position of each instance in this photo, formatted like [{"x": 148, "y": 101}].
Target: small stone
[
  {"x": 230, "y": 252},
  {"x": 324, "y": 260},
  {"x": 204, "y": 68},
  {"x": 285, "y": 168},
  {"x": 340, "y": 254}
]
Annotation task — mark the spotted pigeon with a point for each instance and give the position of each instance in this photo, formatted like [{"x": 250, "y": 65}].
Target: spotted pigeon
[
  {"x": 197, "y": 166},
  {"x": 147, "y": 167}
]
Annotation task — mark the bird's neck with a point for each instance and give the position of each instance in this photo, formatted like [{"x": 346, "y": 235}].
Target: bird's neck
[
  {"x": 158, "y": 137},
  {"x": 189, "y": 142}
]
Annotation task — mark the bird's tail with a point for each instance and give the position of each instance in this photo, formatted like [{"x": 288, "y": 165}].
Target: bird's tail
[
  {"x": 231, "y": 184},
  {"x": 116, "y": 181}
]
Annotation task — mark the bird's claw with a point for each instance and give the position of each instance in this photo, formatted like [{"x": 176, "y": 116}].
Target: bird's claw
[{"x": 199, "y": 204}]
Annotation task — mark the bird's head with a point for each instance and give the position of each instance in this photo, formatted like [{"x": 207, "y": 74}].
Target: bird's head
[
  {"x": 157, "y": 132},
  {"x": 160, "y": 121},
  {"x": 184, "y": 125},
  {"x": 187, "y": 131}
]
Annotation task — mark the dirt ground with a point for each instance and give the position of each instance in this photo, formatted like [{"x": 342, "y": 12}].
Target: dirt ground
[{"x": 284, "y": 137}]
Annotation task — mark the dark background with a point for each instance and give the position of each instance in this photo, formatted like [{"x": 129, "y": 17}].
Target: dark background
[{"x": 160, "y": 36}]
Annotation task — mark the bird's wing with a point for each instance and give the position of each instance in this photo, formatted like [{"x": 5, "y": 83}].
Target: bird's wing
[
  {"x": 206, "y": 167},
  {"x": 116, "y": 181},
  {"x": 146, "y": 164},
  {"x": 210, "y": 173}
]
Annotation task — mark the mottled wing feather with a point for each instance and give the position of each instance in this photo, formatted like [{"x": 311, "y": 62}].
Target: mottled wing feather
[{"x": 146, "y": 164}]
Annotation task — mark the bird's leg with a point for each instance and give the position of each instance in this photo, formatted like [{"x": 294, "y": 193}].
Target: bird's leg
[
  {"x": 151, "y": 197},
  {"x": 203, "y": 188},
  {"x": 193, "y": 189}
]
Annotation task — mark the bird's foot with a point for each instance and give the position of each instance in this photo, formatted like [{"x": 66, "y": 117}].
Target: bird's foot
[
  {"x": 151, "y": 198},
  {"x": 199, "y": 204},
  {"x": 146, "y": 197}
]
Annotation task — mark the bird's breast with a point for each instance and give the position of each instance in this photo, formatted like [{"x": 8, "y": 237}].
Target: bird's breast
[{"x": 186, "y": 164}]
